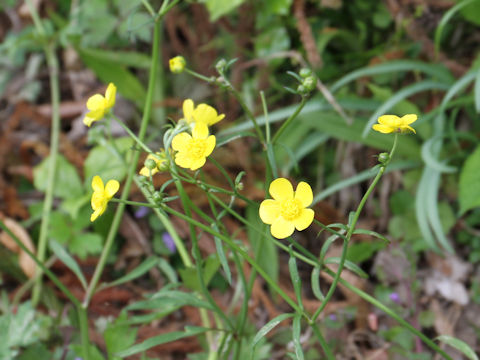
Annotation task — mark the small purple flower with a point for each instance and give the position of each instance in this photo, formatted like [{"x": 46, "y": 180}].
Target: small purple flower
[
  {"x": 169, "y": 243},
  {"x": 141, "y": 212},
  {"x": 332, "y": 317},
  {"x": 78, "y": 358},
  {"x": 394, "y": 297}
]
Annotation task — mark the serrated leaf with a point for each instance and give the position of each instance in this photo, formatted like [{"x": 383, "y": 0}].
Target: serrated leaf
[
  {"x": 103, "y": 161},
  {"x": 119, "y": 336},
  {"x": 67, "y": 181},
  {"x": 86, "y": 244}
]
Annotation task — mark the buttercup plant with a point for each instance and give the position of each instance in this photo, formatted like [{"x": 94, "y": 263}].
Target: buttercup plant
[{"x": 187, "y": 145}]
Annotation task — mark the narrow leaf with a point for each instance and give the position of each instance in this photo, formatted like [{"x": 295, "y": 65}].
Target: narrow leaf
[
  {"x": 315, "y": 280},
  {"x": 349, "y": 265},
  {"x": 296, "y": 329},
  {"x": 270, "y": 326},
  {"x": 459, "y": 345},
  {"x": 135, "y": 273},
  {"x": 68, "y": 260},
  {"x": 296, "y": 280}
]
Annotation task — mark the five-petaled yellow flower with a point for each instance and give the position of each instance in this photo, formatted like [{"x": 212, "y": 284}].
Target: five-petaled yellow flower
[
  {"x": 177, "y": 64},
  {"x": 160, "y": 159},
  {"x": 203, "y": 113},
  {"x": 287, "y": 210},
  {"x": 102, "y": 195},
  {"x": 99, "y": 105},
  {"x": 392, "y": 123},
  {"x": 193, "y": 149}
]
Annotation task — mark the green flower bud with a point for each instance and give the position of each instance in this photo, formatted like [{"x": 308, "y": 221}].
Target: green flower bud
[
  {"x": 220, "y": 65},
  {"x": 383, "y": 158},
  {"x": 305, "y": 72},
  {"x": 310, "y": 83},
  {"x": 150, "y": 164},
  {"x": 157, "y": 197}
]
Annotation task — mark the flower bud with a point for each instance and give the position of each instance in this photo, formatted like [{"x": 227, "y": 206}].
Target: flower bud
[
  {"x": 302, "y": 90},
  {"x": 150, "y": 164},
  {"x": 220, "y": 65},
  {"x": 305, "y": 72},
  {"x": 310, "y": 83},
  {"x": 157, "y": 197},
  {"x": 383, "y": 158},
  {"x": 177, "y": 64}
]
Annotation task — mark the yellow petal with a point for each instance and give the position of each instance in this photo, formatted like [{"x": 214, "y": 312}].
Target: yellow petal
[
  {"x": 219, "y": 117},
  {"x": 304, "y": 193},
  {"x": 96, "y": 214},
  {"x": 96, "y": 115},
  {"x": 97, "y": 200},
  {"x": 97, "y": 184},
  {"x": 96, "y": 102},
  {"x": 391, "y": 120},
  {"x": 198, "y": 163},
  {"x": 188, "y": 107},
  {"x": 200, "y": 131},
  {"x": 304, "y": 220},
  {"x": 384, "y": 129},
  {"x": 206, "y": 114},
  {"x": 269, "y": 211},
  {"x": 281, "y": 189},
  {"x": 111, "y": 188},
  {"x": 183, "y": 160},
  {"x": 408, "y": 119},
  {"x": 406, "y": 127},
  {"x": 211, "y": 141},
  {"x": 181, "y": 141},
  {"x": 110, "y": 95},
  {"x": 282, "y": 228},
  {"x": 88, "y": 121}
]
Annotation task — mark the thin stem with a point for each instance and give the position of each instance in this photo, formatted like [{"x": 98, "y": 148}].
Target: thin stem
[
  {"x": 289, "y": 120},
  {"x": 47, "y": 272},
  {"x": 322, "y": 341},
  {"x": 132, "y": 135},
  {"x": 265, "y": 113},
  {"x": 351, "y": 229},
  {"x": 242, "y": 252},
  {"x": 35, "y": 18},
  {"x": 134, "y": 203},
  {"x": 392, "y": 314},
  {"x": 131, "y": 170},
  {"x": 52, "y": 167}
]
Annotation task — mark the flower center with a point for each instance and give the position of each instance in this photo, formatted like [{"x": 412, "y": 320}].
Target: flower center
[
  {"x": 290, "y": 209},
  {"x": 196, "y": 148}
]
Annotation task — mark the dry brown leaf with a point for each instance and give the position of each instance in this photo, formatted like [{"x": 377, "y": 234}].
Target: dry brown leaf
[{"x": 24, "y": 260}]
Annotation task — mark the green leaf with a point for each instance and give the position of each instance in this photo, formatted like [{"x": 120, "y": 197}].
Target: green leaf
[
  {"x": 361, "y": 251},
  {"x": 218, "y": 8},
  {"x": 262, "y": 245},
  {"x": 130, "y": 58},
  {"x": 270, "y": 326},
  {"x": 119, "y": 336},
  {"x": 103, "y": 161},
  {"x": 168, "y": 297},
  {"x": 222, "y": 257},
  {"x": 294, "y": 275},
  {"x": 296, "y": 329},
  {"x": 469, "y": 189},
  {"x": 127, "y": 84},
  {"x": 161, "y": 339},
  {"x": 86, "y": 244},
  {"x": 459, "y": 345},
  {"x": 349, "y": 265},
  {"x": 190, "y": 275},
  {"x": 67, "y": 181},
  {"x": 69, "y": 261},
  {"x": 315, "y": 281},
  {"x": 135, "y": 273}
]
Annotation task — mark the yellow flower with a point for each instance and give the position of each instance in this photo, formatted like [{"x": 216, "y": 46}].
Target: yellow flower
[
  {"x": 203, "y": 113},
  {"x": 102, "y": 195},
  {"x": 193, "y": 149},
  {"x": 99, "y": 105},
  {"x": 287, "y": 210},
  {"x": 160, "y": 159},
  {"x": 392, "y": 123},
  {"x": 177, "y": 64}
]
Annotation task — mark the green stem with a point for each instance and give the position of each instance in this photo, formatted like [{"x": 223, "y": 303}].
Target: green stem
[
  {"x": 242, "y": 252},
  {"x": 289, "y": 120},
  {"x": 83, "y": 322},
  {"x": 134, "y": 203},
  {"x": 351, "y": 229},
  {"x": 132, "y": 135},
  {"x": 322, "y": 341},
  {"x": 393, "y": 315},
  {"x": 40, "y": 264},
  {"x": 52, "y": 167},
  {"x": 131, "y": 171}
]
